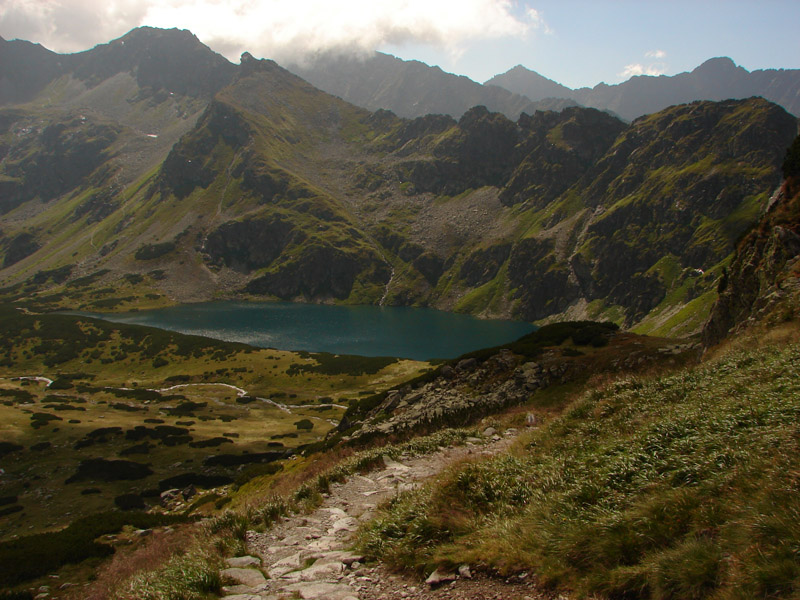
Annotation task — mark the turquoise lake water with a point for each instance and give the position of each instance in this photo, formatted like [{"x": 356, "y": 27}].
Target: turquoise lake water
[{"x": 418, "y": 333}]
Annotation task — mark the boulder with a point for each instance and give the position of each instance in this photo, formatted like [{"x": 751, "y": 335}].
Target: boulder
[
  {"x": 467, "y": 364},
  {"x": 448, "y": 372}
]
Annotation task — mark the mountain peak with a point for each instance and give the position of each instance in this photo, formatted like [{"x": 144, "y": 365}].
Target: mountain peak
[
  {"x": 171, "y": 59},
  {"x": 529, "y": 83},
  {"x": 717, "y": 65}
]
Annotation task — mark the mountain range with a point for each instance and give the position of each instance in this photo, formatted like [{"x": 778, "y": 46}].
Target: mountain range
[
  {"x": 716, "y": 79},
  {"x": 153, "y": 167},
  {"x": 413, "y": 89}
]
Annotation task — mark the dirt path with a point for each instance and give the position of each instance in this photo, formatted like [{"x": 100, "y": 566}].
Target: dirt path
[{"x": 309, "y": 556}]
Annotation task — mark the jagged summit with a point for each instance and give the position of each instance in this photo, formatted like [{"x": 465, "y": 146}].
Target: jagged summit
[{"x": 172, "y": 59}]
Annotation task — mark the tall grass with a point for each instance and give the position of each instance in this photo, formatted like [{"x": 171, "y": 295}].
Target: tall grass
[
  {"x": 189, "y": 576},
  {"x": 683, "y": 486}
]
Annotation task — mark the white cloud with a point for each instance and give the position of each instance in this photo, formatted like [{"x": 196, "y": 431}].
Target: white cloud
[
  {"x": 271, "y": 28},
  {"x": 537, "y": 22},
  {"x": 69, "y": 25},
  {"x": 650, "y": 68}
]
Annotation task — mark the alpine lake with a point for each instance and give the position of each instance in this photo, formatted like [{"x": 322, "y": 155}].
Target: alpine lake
[{"x": 404, "y": 332}]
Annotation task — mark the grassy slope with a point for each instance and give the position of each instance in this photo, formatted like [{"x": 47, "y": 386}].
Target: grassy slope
[{"x": 680, "y": 486}]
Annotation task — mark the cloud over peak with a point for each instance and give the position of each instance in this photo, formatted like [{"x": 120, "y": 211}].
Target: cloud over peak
[
  {"x": 272, "y": 28},
  {"x": 647, "y": 68}
]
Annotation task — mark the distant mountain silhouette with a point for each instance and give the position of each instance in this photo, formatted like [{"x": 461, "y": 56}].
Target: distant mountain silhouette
[
  {"x": 412, "y": 88},
  {"x": 530, "y": 84},
  {"x": 715, "y": 79}
]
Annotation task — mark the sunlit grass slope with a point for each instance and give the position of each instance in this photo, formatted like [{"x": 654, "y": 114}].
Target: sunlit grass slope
[{"x": 678, "y": 486}]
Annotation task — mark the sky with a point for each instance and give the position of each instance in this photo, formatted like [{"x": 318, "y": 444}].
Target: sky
[{"x": 575, "y": 42}]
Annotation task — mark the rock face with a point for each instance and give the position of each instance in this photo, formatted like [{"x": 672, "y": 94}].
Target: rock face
[
  {"x": 47, "y": 162},
  {"x": 763, "y": 280}
]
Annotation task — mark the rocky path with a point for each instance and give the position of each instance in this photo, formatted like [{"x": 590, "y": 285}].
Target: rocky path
[{"x": 309, "y": 556}]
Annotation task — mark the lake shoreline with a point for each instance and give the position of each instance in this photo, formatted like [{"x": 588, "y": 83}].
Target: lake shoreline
[{"x": 364, "y": 330}]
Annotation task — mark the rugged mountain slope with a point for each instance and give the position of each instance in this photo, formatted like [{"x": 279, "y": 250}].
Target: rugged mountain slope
[
  {"x": 411, "y": 88},
  {"x": 280, "y": 190},
  {"x": 715, "y": 79},
  {"x": 161, "y": 60},
  {"x": 102, "y": 117},
  {"x": 762, "y": 282}
]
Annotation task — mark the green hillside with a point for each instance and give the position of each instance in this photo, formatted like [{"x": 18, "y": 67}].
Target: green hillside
[
  {"x": 675, "y": 486},
  {"x": 265, "y": 187}
]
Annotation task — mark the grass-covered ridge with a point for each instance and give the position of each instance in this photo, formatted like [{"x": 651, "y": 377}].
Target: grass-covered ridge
[{"x": 682, "y": 486}]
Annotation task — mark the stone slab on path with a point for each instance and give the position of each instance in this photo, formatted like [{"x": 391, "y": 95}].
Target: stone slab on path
[
  {"x": 249, "y": 577},
  {"x": 242, "y": 562},
  {"x": 322, "y": 591},
  {"x": 319, "y": 571},
  {"x": 286, "y": 565}
]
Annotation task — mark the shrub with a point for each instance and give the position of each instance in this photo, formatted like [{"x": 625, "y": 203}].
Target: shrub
[
  {"x": 252, "y": 471},
  {"x": 9, "y": 447},
  {"x": 151, "y": 251},
  {"x": 269, "y": 511},
  {"x": 304, "y": 424},
  {"x": 41, "y": 419},
  {"x": 211, "y": 442},
  {"x": 129, "y": 502},
  {"x": 234, "y": 460},
  {"x": 109, "y": 470},
  {"x": 21, "y": 396},
  {"x": 32, "y": 556},
  {"x": 10, "y": 510}
]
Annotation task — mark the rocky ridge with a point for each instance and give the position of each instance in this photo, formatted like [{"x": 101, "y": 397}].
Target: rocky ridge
[
  {"x": 762, "y": 283},
  {"x": 459, "y": 394}
]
